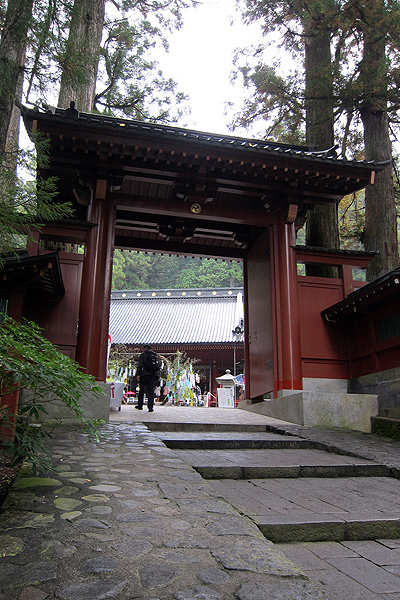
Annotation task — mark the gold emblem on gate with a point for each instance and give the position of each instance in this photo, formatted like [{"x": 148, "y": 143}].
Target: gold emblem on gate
[{"x": 195, "y": 208}]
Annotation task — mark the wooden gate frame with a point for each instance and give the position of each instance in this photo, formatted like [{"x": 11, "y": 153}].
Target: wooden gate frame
[{"x": 158, "y": 188}]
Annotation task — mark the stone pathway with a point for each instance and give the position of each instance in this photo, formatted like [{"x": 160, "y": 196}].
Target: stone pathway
[
  {"x": 123, "y": 519},
  {"x": 126, "y": 518},
  {"x": 293, "y": 492}
]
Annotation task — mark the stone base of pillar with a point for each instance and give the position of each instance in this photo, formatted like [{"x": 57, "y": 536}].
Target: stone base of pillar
[{"x": 317, "y": 408}]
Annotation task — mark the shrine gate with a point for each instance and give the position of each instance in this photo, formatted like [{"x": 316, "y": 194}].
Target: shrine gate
[{"x": 157, "y": 188}]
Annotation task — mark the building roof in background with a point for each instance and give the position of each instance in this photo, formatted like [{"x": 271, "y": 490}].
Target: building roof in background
[
  {"x": 369, "y": 295},
  {"x": 41, "y": 273},
  {"x": 190, "y": 316}
]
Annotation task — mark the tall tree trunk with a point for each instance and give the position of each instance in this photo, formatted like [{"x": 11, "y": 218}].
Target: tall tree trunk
[
  {"x": 12, "y": 140},
  {"x": 78, "y": 80},
  {"x": 12, "y": 53},
  {"x": 380, "y": 232},
  {"x": 322, "y": 222},
  {"x": 319, "y": 89}
]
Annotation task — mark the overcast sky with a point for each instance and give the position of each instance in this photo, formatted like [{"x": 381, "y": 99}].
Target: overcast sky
[{"x": 200, "y": 60}]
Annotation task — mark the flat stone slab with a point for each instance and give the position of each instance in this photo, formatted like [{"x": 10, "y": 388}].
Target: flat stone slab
[
  {"x": 22, "y": 483},
  {"x": 165, "y": 534},
  {"x": 230, "y": 440},
  {"x": 249, "y": 464},
  {"x": 291, "y": 590},
  {"x": 318, "y": 509},
  {"x": 293, "y": 528},
  {"x": 67, "y": 504},
  {"x": 369, "y": 575},
  {"x": 101, "y": 564},
  {"x": 105, "y": 488},
  {"x": 255, "y": 555},
  {"x": 298, "y": 528},
  {"x": 91, "y": 590},
  {"x": 205, "y": 421},
  {"x": 373, "y": 551},
  {"x": 157, "y": 575},
  {"x": 11, "y": 545}
]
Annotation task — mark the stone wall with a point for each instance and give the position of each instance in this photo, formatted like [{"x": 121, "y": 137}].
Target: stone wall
[
  {"x": 322, "y": 403},
  {"x": 386, "y": 384},
  {"x": 93, "y": 406}
]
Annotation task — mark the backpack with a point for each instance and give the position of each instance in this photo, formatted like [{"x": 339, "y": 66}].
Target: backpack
[{"x": 152, "y": 362}]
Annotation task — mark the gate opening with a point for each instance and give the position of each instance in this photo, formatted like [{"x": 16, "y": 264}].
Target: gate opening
[{"x": 190, "y": 318}]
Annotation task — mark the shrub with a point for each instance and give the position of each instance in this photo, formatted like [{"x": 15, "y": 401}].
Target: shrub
[{"x": 31, "y": 363}]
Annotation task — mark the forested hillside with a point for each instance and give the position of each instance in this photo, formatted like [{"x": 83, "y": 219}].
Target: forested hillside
[{"x": 138, "y": 270}]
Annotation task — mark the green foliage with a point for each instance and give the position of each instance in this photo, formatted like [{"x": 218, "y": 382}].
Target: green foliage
[
  {"x": 130, "y": 83},
  {"x": 29, "y": 444},
  {"x": 352, "y": 218},
  {"x": 274, "y": 103},
  {"x": 276, "y": 96},
  {"x": 211, "y": 273},
  {"x": 30, "y": 363},
  {"x": 130, "y": 270},
  {"x": 344, "y": 72},
  {"x": 351, "y": 215},
  {"x": 46, "y": 47},
  {"x": 165, "y": 270},
  {"x": 138, "y": 270},
  {"x": 25, "y": 203}
]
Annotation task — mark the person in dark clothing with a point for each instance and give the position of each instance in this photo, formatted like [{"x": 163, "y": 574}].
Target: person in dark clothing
[{"x": 148, "y": 375}]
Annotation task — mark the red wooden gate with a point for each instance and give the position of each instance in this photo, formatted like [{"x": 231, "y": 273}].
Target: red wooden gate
[{"x": 258, "y": 319}]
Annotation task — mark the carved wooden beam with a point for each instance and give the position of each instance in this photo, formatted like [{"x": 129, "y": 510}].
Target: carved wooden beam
[
  {"x": 206, "y": 212},
  {"x": 174, "y": 247}
]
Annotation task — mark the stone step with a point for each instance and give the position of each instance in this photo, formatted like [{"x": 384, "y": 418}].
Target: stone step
[
  {"x": 182, "y": 426},
  {"x": 386, "y": 426},
  {"x": 323, "y": 528},
  {"x": 271, "y": 472},
  {"x": 272, "y": 463},
  {"x": 231, "y": 440},
  {"x": 318, "y": 509}
]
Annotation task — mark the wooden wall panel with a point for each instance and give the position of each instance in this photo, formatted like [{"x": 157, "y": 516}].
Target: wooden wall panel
[
  {"x": 324, "y": 349},
  {"x": 60, "y": 320}
]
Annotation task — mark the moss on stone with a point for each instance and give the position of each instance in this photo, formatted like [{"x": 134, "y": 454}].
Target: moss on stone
[
  {"x": 28, "y": 482},
  {"x": 10, "y": 545}
]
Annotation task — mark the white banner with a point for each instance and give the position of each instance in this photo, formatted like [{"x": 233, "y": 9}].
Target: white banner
[{"x": 226, "y": 397}]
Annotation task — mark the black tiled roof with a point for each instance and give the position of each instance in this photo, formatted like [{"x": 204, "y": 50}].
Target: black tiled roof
[
  {"x": 341, "y": 251},
  {"x": 41, "y": 272},
  {"x": 168, "y": 131},
  {"x": 369, "y": 294}
]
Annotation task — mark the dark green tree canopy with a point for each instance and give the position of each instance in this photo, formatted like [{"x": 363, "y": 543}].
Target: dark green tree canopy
[{"x": 138, "y": 270}]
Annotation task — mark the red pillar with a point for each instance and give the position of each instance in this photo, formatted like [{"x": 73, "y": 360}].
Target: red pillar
[
  {"x": 11, "y": 401},
  {"x": 347, "y": 275},
  {"x": 32, "y": 245},
  {"x": 288, "y": 350},
  {"x": 96, "y": 286}
]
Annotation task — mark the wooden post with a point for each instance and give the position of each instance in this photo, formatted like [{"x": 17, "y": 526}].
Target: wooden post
[
  {"x": 287, "y": 342},
  {"x": 96, "y": 286},
  {"x": 347, "y": 277}
]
